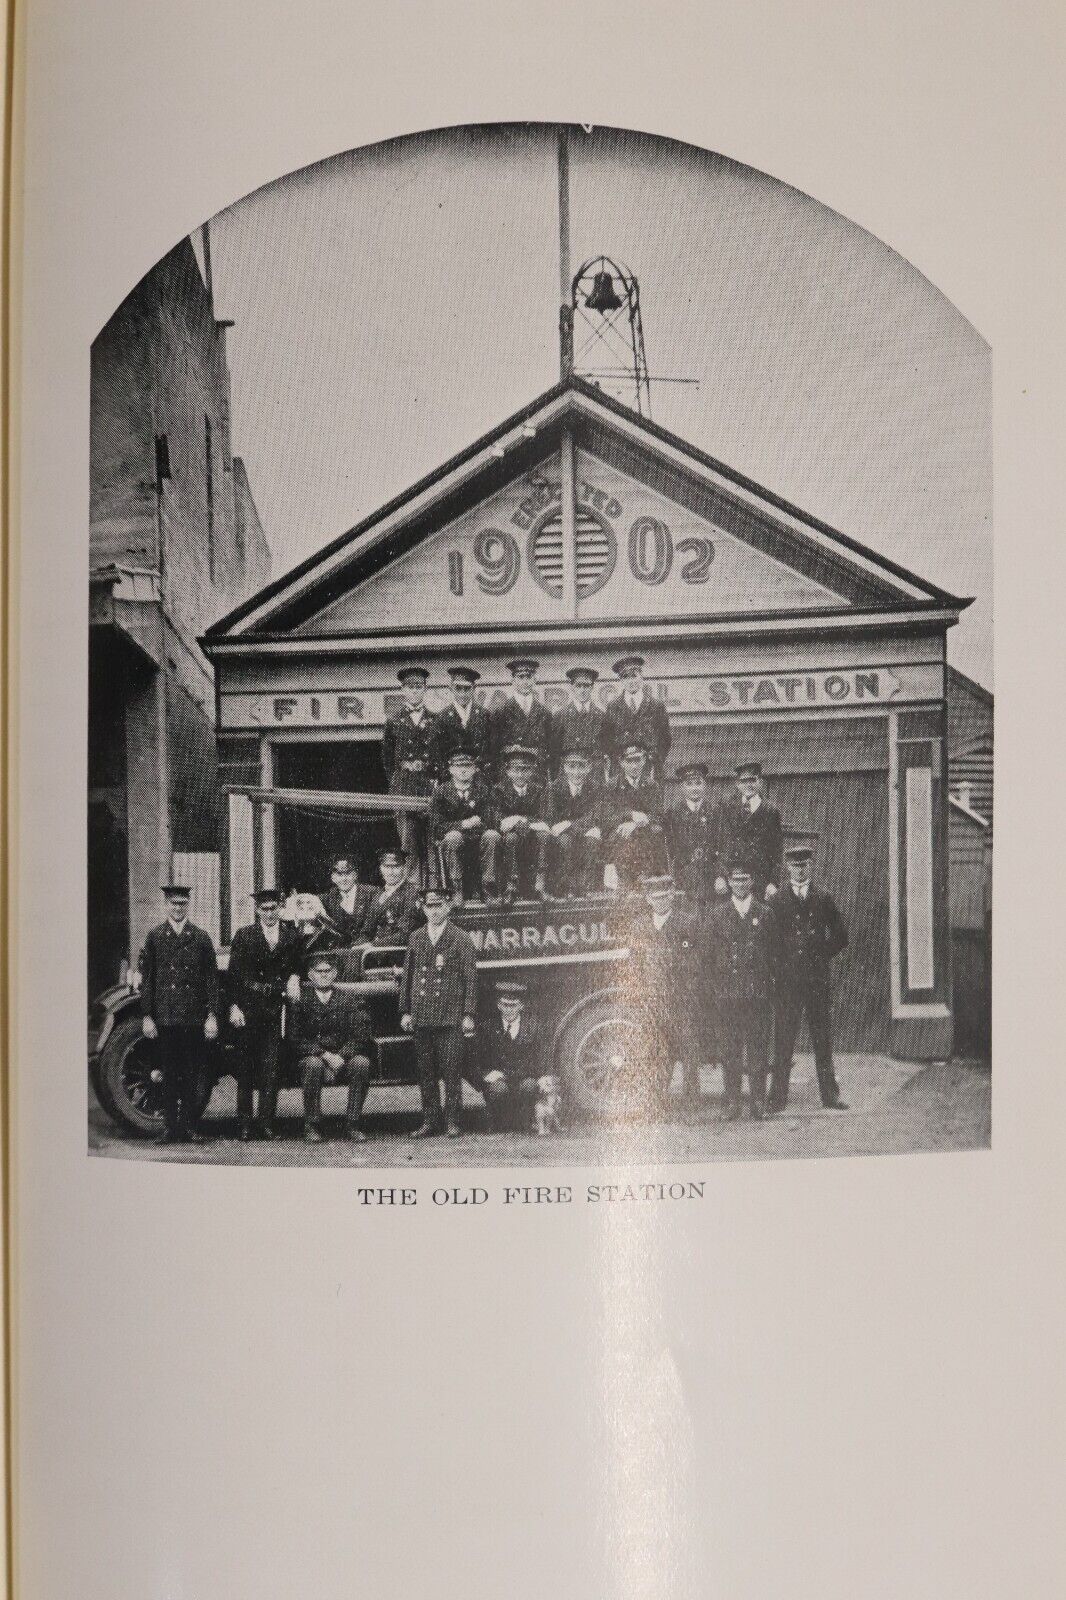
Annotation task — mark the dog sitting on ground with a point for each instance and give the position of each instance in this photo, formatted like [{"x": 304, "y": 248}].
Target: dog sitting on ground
[{"x": 548, "y": 1106}]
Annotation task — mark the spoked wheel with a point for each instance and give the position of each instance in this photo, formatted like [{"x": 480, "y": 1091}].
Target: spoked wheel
[
  {"x": 130, "y": 1082},
  {"x": 603, "y": 1059}
]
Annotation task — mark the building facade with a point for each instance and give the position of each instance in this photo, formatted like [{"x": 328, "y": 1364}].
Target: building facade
[
  {"x": 578, "y": 531},
  {"x": 175, "y": 541}
]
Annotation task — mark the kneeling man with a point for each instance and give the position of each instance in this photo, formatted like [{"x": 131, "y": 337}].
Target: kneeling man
[
  {"x": 510, "y": 1060},
  {"x": 331, "y": 1036}
]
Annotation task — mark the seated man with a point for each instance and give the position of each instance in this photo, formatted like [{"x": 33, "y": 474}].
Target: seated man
[
  {"x": 461, "y": 827},
  {"x": 347, "y": 905},
  {"x": 633, "y": 807},
  {"x": 510, "y": 1055},
  {"x": 575, "y": 816},
  {"x": 396, "y": 910},
  {"x": 520, "y": 805},
  {"x": 331, "y": 1036}
]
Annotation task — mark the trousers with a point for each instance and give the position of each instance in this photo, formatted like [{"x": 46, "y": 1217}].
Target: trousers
[
  {"x": 181, "y": 1054},
  {"x": 439, "y": 1052},
  {"x": 314, "y": 1072},
  {"x": 461, "y": 850},
  {"x": 524, "y": 850},
  {"x": 745, "y": 1046},
  {"x": 792, "y": 1002},
  {"x": 256, "y": 1059}
]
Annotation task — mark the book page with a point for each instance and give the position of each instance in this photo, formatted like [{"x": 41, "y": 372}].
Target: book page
[{"x": 525, "y": 483}]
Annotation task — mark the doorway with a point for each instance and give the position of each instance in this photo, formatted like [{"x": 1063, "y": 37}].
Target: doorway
[{"x": 308, "y": 840}]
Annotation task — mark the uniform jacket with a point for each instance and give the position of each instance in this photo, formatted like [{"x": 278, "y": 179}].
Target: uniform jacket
[
  {"x": 439, "y": 985},
  {"x": 622, "y": 798},
  {"x": 507, "y": 802},
  {"x": 257, "y": 973},
  {"x": 394, "y": 917},
  {"x": 807, "y": 934},
  {"x": 448, "y": 809},
  {"x": 586, "y": 731},
  {"x": 179, "y": 976},
  {"x": 586, "y": 807},
  {"x": 351, "y": 925},
  {"x": 515, "y": 1058},
  {"x": 756, "y": 836},
  {"x": 666, "y": 963},
  {"x": 449, "y": 734},
  {"x": 508, "y": 724},
  {"x": 741, "y": 951},
  {"x": 339, "y": 1025},
  {"x": 692, "y": 845},
  {"x": 405, "y": 740},
  {"x": 649, "y": 724}
]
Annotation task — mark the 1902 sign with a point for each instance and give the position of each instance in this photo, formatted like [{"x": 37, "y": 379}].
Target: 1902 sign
[{"x": 649, "y": 546}]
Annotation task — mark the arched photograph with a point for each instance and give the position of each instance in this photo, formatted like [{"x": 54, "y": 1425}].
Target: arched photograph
[{"x": 540, "y": 694}]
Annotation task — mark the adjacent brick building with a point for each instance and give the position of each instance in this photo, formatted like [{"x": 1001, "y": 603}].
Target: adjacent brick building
[{"x": 175, "y": 542}]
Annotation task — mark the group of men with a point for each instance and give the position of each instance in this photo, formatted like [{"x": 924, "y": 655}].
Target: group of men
[{"x": 572, "y": 799}]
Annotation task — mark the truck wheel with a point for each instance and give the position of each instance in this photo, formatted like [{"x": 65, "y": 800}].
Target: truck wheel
[
  {"x": 599, "y": 1054},
  {"x": 129, "y": 1086}
]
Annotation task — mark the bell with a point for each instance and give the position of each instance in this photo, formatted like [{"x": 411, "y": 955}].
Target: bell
[{"x": 602, "y": 297}]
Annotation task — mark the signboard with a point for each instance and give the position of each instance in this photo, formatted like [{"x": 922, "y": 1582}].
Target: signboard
[{"x": 707, "y": 694}]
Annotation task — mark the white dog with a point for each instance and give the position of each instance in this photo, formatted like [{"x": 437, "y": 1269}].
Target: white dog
[{"x": 548, "y": 1105}]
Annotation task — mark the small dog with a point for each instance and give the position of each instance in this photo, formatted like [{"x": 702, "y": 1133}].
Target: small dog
[{"x": 548, "y": 1106}]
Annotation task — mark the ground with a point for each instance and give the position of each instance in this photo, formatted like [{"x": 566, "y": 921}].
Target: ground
[{"x": 893, "y": 1107}]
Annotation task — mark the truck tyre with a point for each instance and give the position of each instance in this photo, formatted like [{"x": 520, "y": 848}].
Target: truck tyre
[
  {"x": 128, "y": 1084},
  {"x": 598, "y": 1054}
]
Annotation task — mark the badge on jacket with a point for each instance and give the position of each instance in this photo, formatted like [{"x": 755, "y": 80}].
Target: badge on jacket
[{"x": 440, "y": 963}]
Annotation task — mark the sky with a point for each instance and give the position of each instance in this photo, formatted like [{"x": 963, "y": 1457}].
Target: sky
[{"x": 392, "y": 304}]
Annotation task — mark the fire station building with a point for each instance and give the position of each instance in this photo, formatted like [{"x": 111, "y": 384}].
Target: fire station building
[{"x": 577, "y": 531}]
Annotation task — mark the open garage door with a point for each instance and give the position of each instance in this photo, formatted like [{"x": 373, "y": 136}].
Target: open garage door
[{"x": 307, "y": 841}]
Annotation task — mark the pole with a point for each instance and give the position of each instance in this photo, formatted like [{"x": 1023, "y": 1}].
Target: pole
[{"x": 566, "y": 310}]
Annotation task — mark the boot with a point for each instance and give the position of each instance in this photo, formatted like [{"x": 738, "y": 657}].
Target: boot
[{"x": 425, "y": 1130}]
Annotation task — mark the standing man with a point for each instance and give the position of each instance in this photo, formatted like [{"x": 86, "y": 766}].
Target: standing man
[
  {"x": 580, "y": 725},
  {"x": 461, "y": 820},
  {"x": 575, "y": 816},
  {"x": 633, "y": 807},
  {"x": 438, "y": 1000},
  {"x": 179, "y": 1009},
  {"x": 740, "y": 934},
  {"x": 347, "y": 905},
  {"x": 510, "y": 1060},
  {"x": 520, "y": 807},
  {"x": 395, "y": 911},
  {"x": 461, "y": 724},
  {"x": 751, "y": 830},
  {"x": 264, "y": 966},
  {"x": 665, "y": 948},
  {"x": 636, "y": 716},
  {"x": 407, "y": 755},
  {"x": 331, "y": 1038},
  {"x": 522, "y": 719},
  {"x": 691, "y": 828},
  {"x": 808, "y": 931}
]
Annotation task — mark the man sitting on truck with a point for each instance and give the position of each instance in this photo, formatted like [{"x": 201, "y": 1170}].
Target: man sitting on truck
[
  {"x": 520, "y": 806},
  {"x": 633, "y": 807},
  {"x": 575, "y": 816},
  {"x": 395, "y": 910},
  {"x": 347, "y": 905},
  {"x": 331, "y": 1037},
  {"x": 461, "y": 827}
]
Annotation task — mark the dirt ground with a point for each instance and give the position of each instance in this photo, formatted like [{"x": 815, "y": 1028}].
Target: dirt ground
[{"x": 893, "y": 1107}]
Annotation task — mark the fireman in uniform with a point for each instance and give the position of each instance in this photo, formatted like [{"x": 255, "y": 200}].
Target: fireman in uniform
[
  {"x": 581, "y": 725},
  {"x": 510, "y": 1052},
  {"x": 575, "y": 816},
  {"x": 691, "y": 831},
  {"x": 179, "y": 1009},
  {"x": 751, "y": 829},
  {"x": 264, "y": 968},
  {"x": 438, "y": 1000},
  {"x": 395, "y": 910},
  {"x": 461, "y": 827},
  {"x": 666, "y": 953},
  {"x": 331, "y": 1036},
  {"x": 808, "y": 931},
  {"x": 633, "y": 807},
  {"x": 408, "y": 754},
  {"x": 740, "y": 935},
  {"x": 463, "y": 723},
  {"x": 520, "y": 807},
  {"x": 522, "y": 719},
  {"x": 347, "y": 904},
  {"x": 635, "y": 715}
]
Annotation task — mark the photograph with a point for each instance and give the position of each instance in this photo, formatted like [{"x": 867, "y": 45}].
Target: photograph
[{"x": 540, "y": 673}]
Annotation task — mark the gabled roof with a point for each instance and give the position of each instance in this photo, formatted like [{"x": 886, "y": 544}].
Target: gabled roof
[{"x": 865, "y": 580}]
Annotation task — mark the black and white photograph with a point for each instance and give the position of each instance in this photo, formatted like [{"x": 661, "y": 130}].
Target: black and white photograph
[{"x": 540, "y": 673}]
